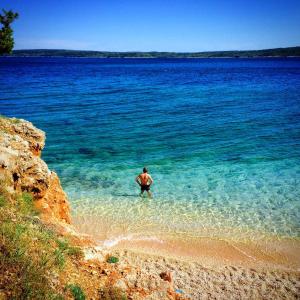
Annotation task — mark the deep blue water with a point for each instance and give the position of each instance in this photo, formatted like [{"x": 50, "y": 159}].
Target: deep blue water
[{"x": 221, "y": 138}]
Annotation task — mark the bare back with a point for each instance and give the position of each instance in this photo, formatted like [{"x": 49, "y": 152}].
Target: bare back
[{"x": 144, "y": 178}]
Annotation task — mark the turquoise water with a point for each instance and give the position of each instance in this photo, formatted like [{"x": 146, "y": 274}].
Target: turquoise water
[{"x": 221, "y": 139}]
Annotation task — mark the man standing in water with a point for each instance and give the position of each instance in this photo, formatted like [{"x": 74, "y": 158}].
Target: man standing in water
[{"x": 144, "y": 180}]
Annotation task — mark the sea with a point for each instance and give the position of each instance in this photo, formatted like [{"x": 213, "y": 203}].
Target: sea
[{"x": 220, "y": 137}]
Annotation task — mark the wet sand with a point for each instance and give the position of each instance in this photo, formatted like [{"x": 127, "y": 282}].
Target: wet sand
[
  {"x": 272, "y": 254},
  {"x": 271, "y": 251}
]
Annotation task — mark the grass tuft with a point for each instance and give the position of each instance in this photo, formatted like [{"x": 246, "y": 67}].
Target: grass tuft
[
  {"x": 3, "y": 201},
  {"x": 59, "y": 258},
  {"x": 75, "y": 251},
  {"x": 76, "y": 291},
  {"x": 111, "y": 293},
  {"x": 112, "y": 259},
  {"x": 67, "y": 249},
  {"x": 25, "y": 205}
]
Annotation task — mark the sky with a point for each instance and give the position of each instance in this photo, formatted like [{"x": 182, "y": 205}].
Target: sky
[{"x": 155, "y": 25}]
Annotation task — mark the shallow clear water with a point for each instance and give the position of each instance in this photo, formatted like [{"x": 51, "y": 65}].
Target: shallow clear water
[{"x": 221, "y": 138}]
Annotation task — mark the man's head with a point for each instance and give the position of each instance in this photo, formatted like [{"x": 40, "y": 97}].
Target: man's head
[{"x": 145, "y": 170}]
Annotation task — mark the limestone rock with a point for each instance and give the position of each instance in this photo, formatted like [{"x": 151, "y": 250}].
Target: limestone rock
[
  {"x": 120, "y": 284},
  {"x": 22, "y": 169}
]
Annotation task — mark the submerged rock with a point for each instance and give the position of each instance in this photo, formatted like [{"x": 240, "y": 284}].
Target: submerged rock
[
  {"x": 87, "y": 151},
  {"x": 22, "y": 169}
]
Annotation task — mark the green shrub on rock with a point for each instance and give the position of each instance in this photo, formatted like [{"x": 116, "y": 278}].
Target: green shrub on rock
[
  {"x": 112, "y": 259},
  {"x": 76, "y": 291}
]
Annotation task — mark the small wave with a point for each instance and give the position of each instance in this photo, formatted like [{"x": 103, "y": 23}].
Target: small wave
[{"x": 113, "y": 242}]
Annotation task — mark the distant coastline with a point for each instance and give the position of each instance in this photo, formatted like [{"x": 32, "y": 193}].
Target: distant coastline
[{"x": 276, "y": 52}]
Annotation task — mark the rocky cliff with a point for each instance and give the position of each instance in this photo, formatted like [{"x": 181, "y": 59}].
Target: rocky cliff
[{"x": 23, "y": 170}]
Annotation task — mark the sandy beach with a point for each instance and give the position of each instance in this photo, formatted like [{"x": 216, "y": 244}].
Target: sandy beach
[
  {"x": 193, "y": 280},
  {"x": 208, "y": 268}
]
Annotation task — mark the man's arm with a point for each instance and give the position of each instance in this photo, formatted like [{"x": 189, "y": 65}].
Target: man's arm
[
  {"x": 137, "y": 180},
  {"x": 150, "y": 179}
]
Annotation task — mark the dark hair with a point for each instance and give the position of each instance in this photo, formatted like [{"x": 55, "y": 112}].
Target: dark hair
[{"x": 145, "y": 170}]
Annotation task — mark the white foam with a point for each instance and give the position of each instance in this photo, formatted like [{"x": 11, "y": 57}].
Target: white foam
[{"x": 113, "y": 242}]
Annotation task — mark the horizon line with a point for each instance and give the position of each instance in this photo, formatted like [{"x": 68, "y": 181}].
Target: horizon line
[{"x": 155, "y": 51}]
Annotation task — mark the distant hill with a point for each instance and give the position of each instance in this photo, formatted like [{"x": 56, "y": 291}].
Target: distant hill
[{"x": 276, "y": 52}]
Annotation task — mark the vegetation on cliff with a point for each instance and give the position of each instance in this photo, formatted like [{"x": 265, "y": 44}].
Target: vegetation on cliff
[
  {"x": 276, "y": 52},
  {"x": 31, "y": 255}
]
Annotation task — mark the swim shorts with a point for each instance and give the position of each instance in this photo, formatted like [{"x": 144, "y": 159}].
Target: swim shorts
[{"x": 145, "y": 187}]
